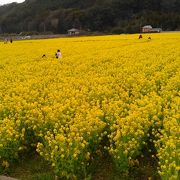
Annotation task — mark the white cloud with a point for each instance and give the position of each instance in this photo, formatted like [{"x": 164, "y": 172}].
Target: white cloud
[{"x": 10, "y": 1}]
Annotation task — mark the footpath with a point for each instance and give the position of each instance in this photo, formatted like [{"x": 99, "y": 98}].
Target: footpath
[{"x": 6, "y": 178}]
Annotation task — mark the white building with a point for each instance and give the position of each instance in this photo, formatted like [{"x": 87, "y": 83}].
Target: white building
[
  {"x": 147, "y": 28},
  {"x": 73, "y": 31},
  {"x": 150, "y": 29}
]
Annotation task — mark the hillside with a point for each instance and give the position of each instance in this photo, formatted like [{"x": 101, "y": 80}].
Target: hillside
[{"x": 118, "y": 16}]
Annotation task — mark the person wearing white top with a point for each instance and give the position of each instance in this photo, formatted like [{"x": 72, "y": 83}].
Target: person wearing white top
[{"x": 58, "y": 54}]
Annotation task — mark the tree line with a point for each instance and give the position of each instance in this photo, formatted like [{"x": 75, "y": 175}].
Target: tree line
[{"x": 109, "y": 16}]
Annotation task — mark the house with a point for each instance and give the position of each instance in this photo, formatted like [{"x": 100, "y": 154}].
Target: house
[
  {"x": 147, "y": 28},
  {"x": 158, "y": 30},
  {"x": 26, "y": 37},
  {"x": 73, "y": 31},
  {"x": 150, "y": 29}
]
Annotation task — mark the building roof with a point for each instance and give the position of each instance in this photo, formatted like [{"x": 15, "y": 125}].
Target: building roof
[
  {"x": 157, "y": 29},
  {"x": 148, "y": 26},
  {"x": 73, "y": 30}
]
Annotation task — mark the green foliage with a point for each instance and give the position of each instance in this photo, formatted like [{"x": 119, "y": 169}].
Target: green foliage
[{"x": 58, "y": 16}]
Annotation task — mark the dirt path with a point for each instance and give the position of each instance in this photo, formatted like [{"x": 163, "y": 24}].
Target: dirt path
[{"x": 6, "y": 178}]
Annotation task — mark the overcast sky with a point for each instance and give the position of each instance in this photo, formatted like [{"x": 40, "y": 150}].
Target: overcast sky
[{"x": 9, "y": 1}]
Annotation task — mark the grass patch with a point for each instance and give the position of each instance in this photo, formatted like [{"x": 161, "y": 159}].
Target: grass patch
[
  {"x": 35, "y": 168},
  {"x": 31, "y": 167}
]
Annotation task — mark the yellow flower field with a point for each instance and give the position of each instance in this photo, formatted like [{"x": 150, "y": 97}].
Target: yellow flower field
[{"x": 117, "y": 88}]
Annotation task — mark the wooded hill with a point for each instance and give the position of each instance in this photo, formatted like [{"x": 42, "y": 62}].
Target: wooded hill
[{"x": 116, "y": 16}]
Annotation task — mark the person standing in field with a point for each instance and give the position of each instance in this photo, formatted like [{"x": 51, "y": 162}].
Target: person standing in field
[
  {"x": 5, "y": 41},
  {"x": 140, "y": 36},
  {"x": 58, "y": 54}
]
